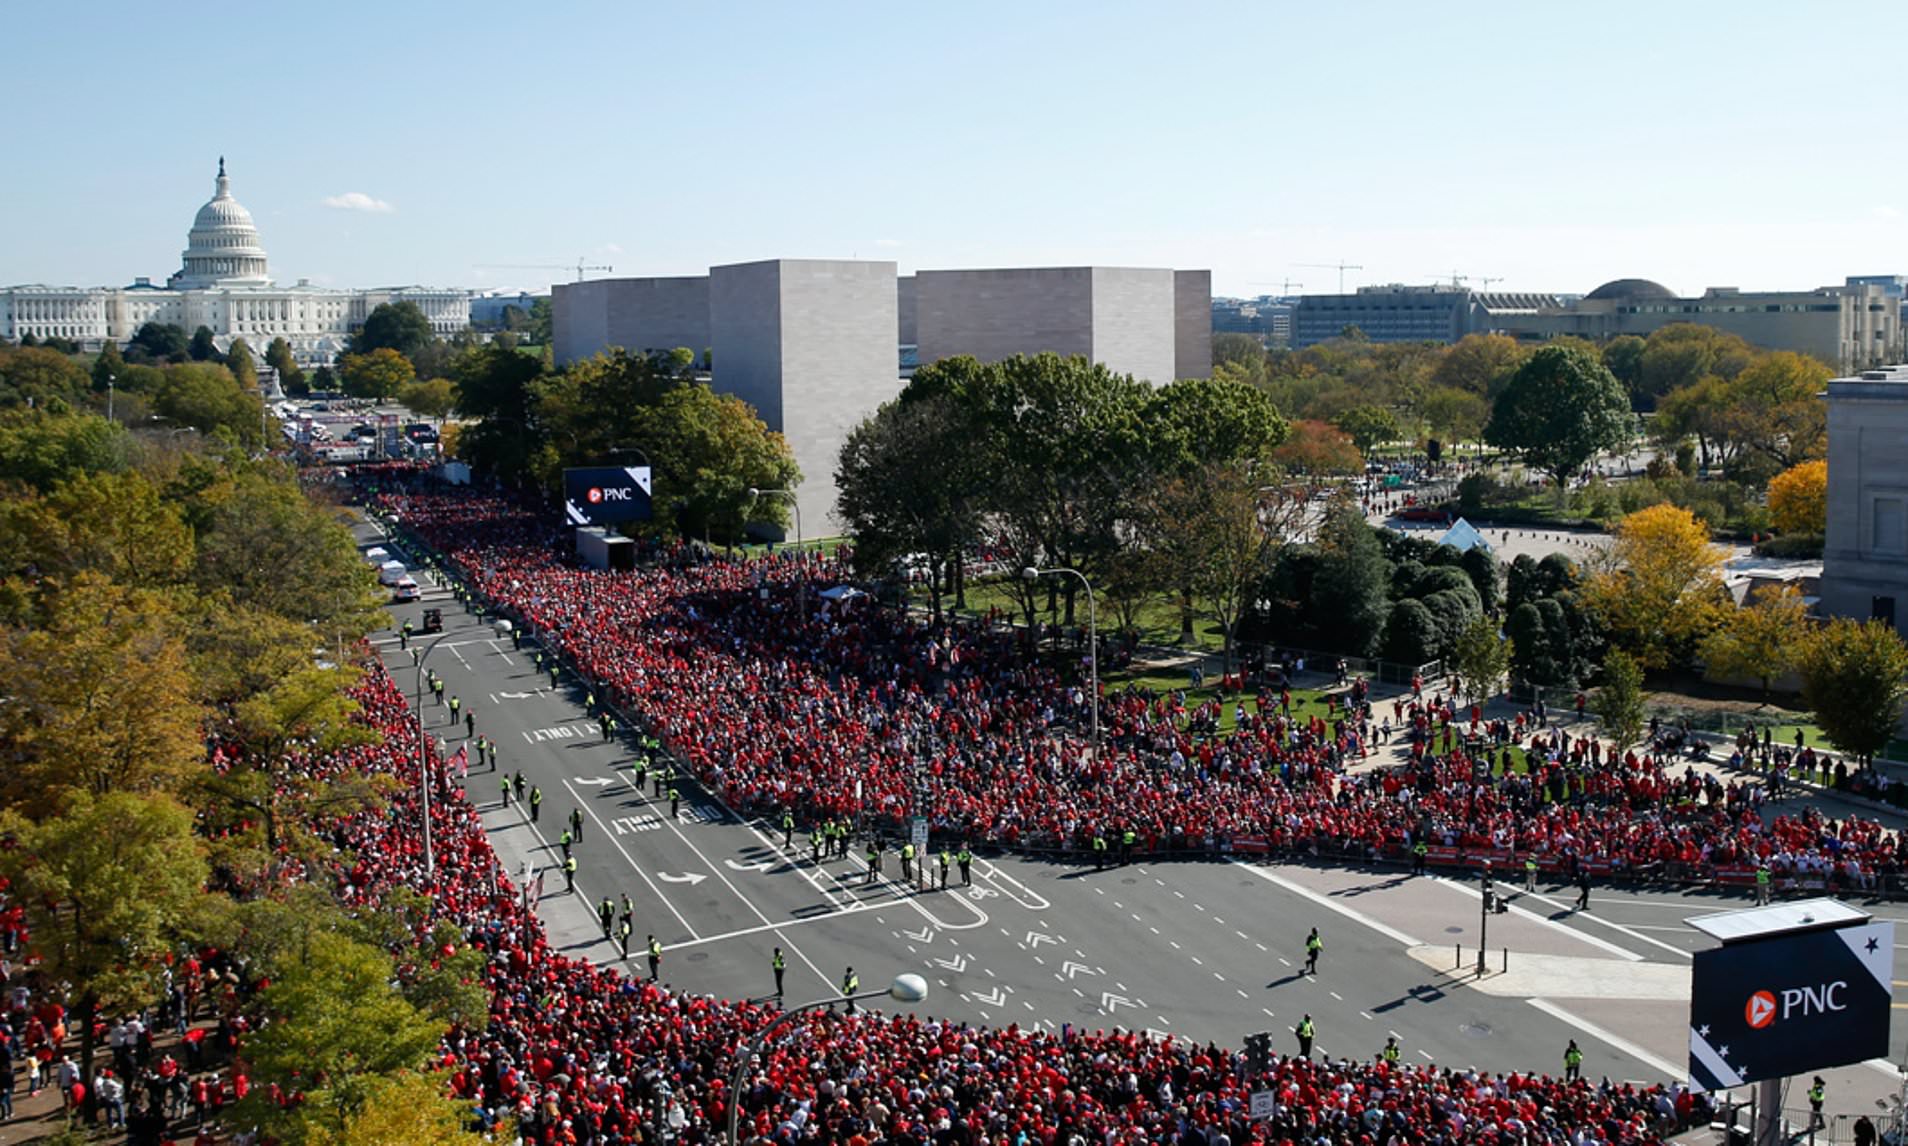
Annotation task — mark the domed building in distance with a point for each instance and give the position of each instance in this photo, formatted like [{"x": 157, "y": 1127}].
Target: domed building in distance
[{"x": 224, "y": 284}]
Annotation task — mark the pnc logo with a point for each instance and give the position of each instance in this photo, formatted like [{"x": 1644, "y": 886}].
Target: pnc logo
[
  {"x": 1761, "y": 1010},
  {"x": 599, "y": 494}
]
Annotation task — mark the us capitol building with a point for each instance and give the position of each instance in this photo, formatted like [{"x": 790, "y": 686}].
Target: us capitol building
[{"x": 223, "y": 285}]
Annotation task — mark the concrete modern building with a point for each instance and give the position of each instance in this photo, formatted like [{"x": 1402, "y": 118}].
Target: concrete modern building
[
  {"x": 1123, "y": 317},
  {"x": 1401, "y": 313},
  {"x": 1865, "y": 558},
  {"x": 1192, "y": 324},
  {"x": 636, "y": 314},
  {"x": 1852, "y": 327},
  {"x": 223, "y": 283},
  {"x": 810, "y": 343}
]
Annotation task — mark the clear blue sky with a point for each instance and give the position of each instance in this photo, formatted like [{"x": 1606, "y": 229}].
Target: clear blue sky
[{"x": 1553, "y": 145}]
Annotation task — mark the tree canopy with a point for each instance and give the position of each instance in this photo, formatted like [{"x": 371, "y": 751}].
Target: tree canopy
[{"x": 1560, "y": 409}]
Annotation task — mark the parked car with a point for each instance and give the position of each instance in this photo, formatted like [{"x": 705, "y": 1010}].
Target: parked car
[
  {"x": 406, "y": 590},
  {"x": 391, "y": 572}
]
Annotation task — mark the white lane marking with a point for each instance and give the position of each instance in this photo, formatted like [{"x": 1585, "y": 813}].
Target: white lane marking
[
  {"x": 1153, "y": 929},
  {"x": 608, "y": 835},
  {"x": 1615, "y": 1041},
  {"x": 758, "y": 929},
  {"x": 1554, "y": 925},
  {"x": 1268, "y": 1012},
  {"x": 1175, "y": 944},
  {"x": 1613, "y": 925},
  {"x": 1427, "y": 1056},
  {"x": 1336, "y": 995},
  {"x": 1243, "y": 936},
  {"x": 1197, "y": 960},
  {"x": 1330, "y": 904},
  {"x": 1367, "y": 1017},
  {"x": 992, "y": 873},
  {"x": 1260, "y": 946}
]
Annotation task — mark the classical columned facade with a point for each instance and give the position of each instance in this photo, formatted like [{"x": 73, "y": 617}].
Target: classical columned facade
[{"x": 223, "y": 284}]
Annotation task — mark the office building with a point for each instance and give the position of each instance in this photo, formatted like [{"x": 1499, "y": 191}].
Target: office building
[
  {"x": 1865, "y": 556},
  {"x": 639, "y": 315},
  {"x": 1401, "y": 313},
  {"x": 1125, "y": 318},
  {"x": 1850, "y": 327}
]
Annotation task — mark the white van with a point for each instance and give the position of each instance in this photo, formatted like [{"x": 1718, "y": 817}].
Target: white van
[
  {"x": 376, "y": 555},
  {"x": 391, "y": 572}
]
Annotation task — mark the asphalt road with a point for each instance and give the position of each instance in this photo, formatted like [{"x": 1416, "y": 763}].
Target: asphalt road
[{"x": 1204, "y": 950}]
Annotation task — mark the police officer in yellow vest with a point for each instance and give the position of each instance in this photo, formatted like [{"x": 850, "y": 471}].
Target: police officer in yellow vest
[
  {"x": 1391, "y": 1052},
  {"x": 946, "y": 859},
  {"x": 1127, "y": 840},
  {"x": 1305, "y": 1031},
  {"x": 1418, "y": 853},
  {"x": 778, "y": 965},
  {"x": 1763, "y": 880},
  {"x": 655, "y": 958},
  {"x": 1818, "y": 1093},
  {"x": 966, "y": 860},
  {"x": 788, "y": 826},
  {"x": 1530, "y": 873},
  {"x": 1573, "y": 1062},
  {"x": 850, "y": 983},
  {"x": 1099, "y": 851},
  {"x": 907, "y": 862},
  {"x": 569, "y": 873}
]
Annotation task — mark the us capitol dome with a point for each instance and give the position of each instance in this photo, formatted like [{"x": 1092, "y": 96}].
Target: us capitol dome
[{"x": 224, "y": 284}]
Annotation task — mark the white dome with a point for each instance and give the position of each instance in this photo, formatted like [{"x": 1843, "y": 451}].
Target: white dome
[{"x": 222, "y": 248}]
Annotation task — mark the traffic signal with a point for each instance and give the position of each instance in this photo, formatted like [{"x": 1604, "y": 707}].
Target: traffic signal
[{"x": 1258, "y": 1048}]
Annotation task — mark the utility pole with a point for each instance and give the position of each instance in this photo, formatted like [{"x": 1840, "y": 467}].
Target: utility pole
[{"x": 1484, "y": 923}]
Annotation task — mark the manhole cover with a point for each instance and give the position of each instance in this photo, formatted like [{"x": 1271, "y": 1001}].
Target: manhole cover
[
  {"x": 1454, "y": 931},
  {"x": 1476, "y": 1029},
  {"x": 698, "y": 956}
]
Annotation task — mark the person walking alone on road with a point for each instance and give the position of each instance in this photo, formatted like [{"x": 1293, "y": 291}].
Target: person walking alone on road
[
  {"x": 576, "y": 824},
  {"x": 536, "y": 802},
  {"x": 1583, "y": 890},
  {"x": 1313, "y": 945},
  {"x": 1573, "y": 1062},
  {"x": 655, "y": 959},
  {"x": 1305, "y": 1032},
  {"x": 850, "y": 984},
  {"x": 778, "y": 965},
  {"x": 404, "y": 635}
]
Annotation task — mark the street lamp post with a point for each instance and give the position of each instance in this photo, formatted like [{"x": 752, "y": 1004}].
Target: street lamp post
[
  {"x": 1093, "y": 644},
  {"x": 1484, "y": 922},
  {"x": 801, "y": 588},
  {"x": 904, "y": 989},
  {"x": 111, "y": 392}
]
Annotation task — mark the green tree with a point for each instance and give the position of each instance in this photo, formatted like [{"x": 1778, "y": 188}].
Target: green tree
[
  {"x": 36, "y": 376},
  {"x": 1852, "y": 677},
  {"x": 1776, "y": 414},
  {"x": 104, "y": 883},
  {"x": 1683, "y": 353},
  {"x": 205, "y": 396},
  {"x": 1619, "y": 702},
  {"x": 1533, "y": 659},
  {"x": 239, "y": 360},
  {"x": 1481, "y": 568},
  {"x": 405, "y": 1106},
  {"x": 376, "y": 374},
  {"x": 1798, "y": 498},
  {"x": 497, "y": 387},
  {"x": 99, "y": 699},
  {"x": 1369, "y": 426},
  {"x": 202, "y": 348},
  {"x": 1560, "y": 409},
  {"x": 1479, "y": 364},
  {"x": 279, "y": 357},
  {"x": 1761, "y": 640},
  {"x": 1411, "y": 633},
  {"x": 1662, "y": 587},
  {"x": 537, "y": 330},
  {"x": 40, "y": 449},
  {"x": 1197, "y": 422},
  {"x": 1623, "y": 358},
  {"x": 108, "y": 366},
  {"x": 708, "y": 451},
  {"x": 263, "y": 544},
  {"x": 433, "y": 398},
  {"x": 396, "y": 326},
  {"x": 1349, "y": 594},
  {"x": 339, "y": 1027},
  {"x": 906, "y": 486},
  {"x": 118, "y": 525},
  {"x": 161, "y": 342},
  {"x": 1319, "y": 449},
  {"x": 1456, "y": 414},
  {"x": 1480, "y": 657}
]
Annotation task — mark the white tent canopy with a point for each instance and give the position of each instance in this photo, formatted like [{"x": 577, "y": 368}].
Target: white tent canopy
[{"x": 1464, "y": 537}]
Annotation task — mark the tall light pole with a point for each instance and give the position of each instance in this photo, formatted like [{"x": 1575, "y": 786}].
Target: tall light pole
[
  {"x": 801, "y": 588},
  {"x": 1093, "y": 643},
  {"x": 905, "y": 989},
  {"x": 111, "y": 392}
]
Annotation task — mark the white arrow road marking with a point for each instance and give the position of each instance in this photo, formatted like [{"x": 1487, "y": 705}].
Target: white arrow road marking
[
  {"x": 1036, "y": 938},
  {"x": 758, "y": 865},
  {"x": 956, "y": 964},
  {"x": 1071, "y": 968},
  {"x": 1109, "y": 1002},
  {"x": 518, "y": 695},
  {"x": 925, "y": 935},
  {"x": 691, "y": 878},
  {"x": 997, "y": 997},
  {"x": 592, "y": 782}
]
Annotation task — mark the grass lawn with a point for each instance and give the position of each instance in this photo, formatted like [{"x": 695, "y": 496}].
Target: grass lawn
[
  {"x": 1306, "y": 702},
  {"x": 1157, "y": 619}
]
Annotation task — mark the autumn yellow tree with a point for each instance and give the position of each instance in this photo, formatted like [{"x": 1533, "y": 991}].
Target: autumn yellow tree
[
  {"x": 1798, "y": 498},
  {"x": 1761, "y": 640},
  {"x": 1660, "y": 586}
]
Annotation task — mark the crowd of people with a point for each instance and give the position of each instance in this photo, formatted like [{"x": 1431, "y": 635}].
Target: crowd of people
[
  {"x": 576, "y": 1053},
  {"x": 849, "y": 708}
]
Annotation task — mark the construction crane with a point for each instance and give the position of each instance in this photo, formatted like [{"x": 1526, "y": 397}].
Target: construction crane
[
  {"x": 579, "y": 268},
  {"x": 1340, "y": 267},
  {"x": 1285, "y": 288}
]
